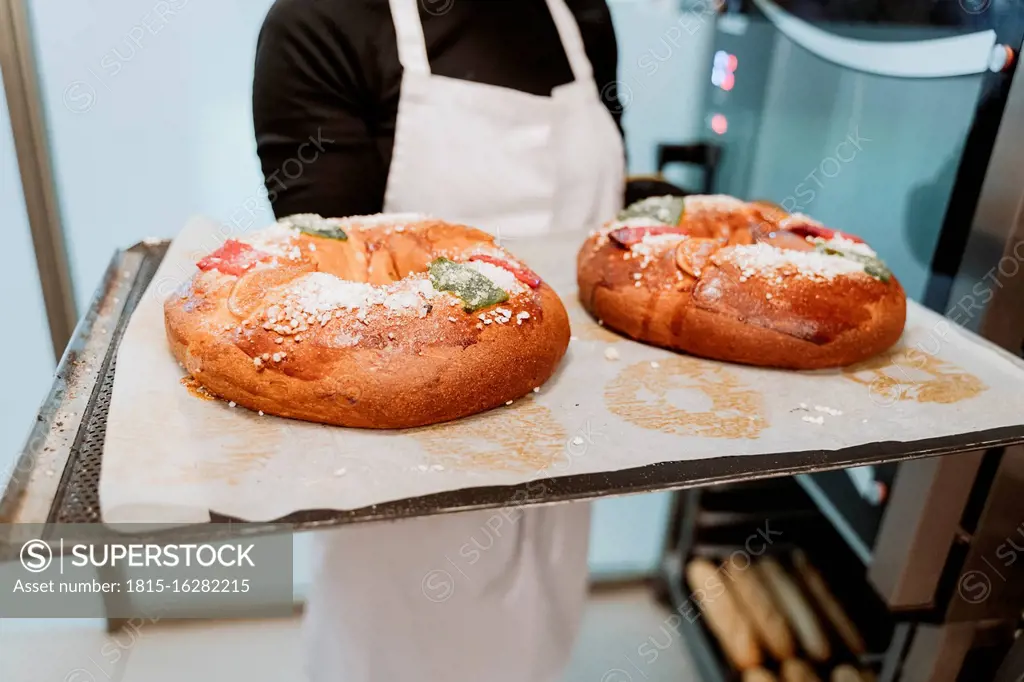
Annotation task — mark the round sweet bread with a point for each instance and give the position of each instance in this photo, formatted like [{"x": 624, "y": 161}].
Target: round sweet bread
[
  {"x": 743, "y": 282},
  {"x": 386, "y": 321}
]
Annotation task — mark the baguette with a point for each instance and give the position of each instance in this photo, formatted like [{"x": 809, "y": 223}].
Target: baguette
[
  {"x": 846, "y": 673},
  {"x": 724, "y": 617},
  {"x": 828, "y": 603},
  {"x": 795, "y": 670},
  {"x": 768, "y": 621},
  {"x": 758, "y": 675},
  {"x": 798, "y": 612}
]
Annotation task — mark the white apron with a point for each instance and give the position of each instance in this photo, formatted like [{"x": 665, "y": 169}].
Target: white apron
[{"x": 487, "y": 596}]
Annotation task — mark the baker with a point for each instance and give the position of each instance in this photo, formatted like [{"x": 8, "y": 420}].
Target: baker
[{"x": 502, "y": 115}]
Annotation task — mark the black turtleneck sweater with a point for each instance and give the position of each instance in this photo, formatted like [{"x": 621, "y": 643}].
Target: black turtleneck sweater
[{"x": 327, "y": 81}]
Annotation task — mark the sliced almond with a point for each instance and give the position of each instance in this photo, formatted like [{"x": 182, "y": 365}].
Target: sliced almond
[
  {"x": 692, "y": 255},
  {"x": 456, "y": 237},
  {"x": 786, "y": 240},
  {"x": 254, "y": 287},
  {"x": 345, "y": 259},
  {"x": 769, "y": 210},
  {"x": 382, "y": 267},
  {"x": 409, "y": 252},
  {"x": 742, "y": 236}
]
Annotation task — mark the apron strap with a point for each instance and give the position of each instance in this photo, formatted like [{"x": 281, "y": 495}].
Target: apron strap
[
  {"x": 412, "y": 46},
  {"x": 572, "y": 41}
]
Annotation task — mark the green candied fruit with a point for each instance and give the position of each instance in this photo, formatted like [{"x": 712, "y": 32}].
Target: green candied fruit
[
  {"x": 872, "y": 266},
  {"x": 316, "y": 226},
  {"x": 326, "y": 233},
  {"x": 475, "y": 290},
  {"x": 878, "y": 270},
  {"x": 667, "y": 209}
]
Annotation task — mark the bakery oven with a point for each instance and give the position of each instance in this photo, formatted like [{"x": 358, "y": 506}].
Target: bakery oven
[{"x": 902, "y": 122}]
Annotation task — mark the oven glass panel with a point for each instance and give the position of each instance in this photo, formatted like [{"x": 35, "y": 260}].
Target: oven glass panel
[{"x": 857, "y": 114}]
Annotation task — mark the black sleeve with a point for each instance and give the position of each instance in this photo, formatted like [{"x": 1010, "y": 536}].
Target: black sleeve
[{"x": 311, "y": 108}]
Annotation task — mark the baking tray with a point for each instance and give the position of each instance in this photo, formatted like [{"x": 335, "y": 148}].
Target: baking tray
[{"x": 57, "y": 475}]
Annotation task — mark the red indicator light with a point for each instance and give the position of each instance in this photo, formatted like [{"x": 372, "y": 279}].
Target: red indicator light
[
  {"x": 728, "y": 82},
  {"x": 732, "y": 63},
  {"x": 719, "y": 124}
]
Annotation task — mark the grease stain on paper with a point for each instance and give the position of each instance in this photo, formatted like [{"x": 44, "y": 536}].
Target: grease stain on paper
[
  {"x": 903, "y": 373},
  {"x": 524, "y": 436},
  {"x": 240, "y": 452},
  {"x": 196, "y": 389},
  {"x": 685, "y": 396}
]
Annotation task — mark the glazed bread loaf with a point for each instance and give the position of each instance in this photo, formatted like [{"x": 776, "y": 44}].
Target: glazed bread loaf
[
  {"x": 768, "y": 621},
  {"x": 799, "y": 613},
  {"x": 795, "y": 670},
  {"x": 846, "y": 673},
  {"x": 758, "y": 675},
  {"x": 370, "y": 321},
  {"x": 743, "y": 282},
  {"x": 724, "y": 617}
]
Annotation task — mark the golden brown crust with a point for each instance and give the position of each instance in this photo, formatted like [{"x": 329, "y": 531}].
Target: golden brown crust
[
  {"x": 724, "y": 616},
  {"x": 801, "y": 617},
  {"x": 391, "y": 369},
  {"x": 846, "y": 673},
  {"x": 795, "y": 670},
  {"x": 758, "y": 675},
  {"x": 682, "y": 298},
  {"x": 768, "y": 621}
]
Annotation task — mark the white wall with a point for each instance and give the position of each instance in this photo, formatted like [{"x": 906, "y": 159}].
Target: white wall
[
  {"x": 149, "y": 112},
  {"x": 664, "y": 59}
]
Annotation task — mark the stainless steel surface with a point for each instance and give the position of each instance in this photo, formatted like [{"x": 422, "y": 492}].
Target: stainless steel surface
[
  {"x": 1012, "y": 668},
  {"x": 37, "y": 477},
  {"x": 987, "y": 293},
  {"x": 894, "y": 655},
  {"x": 28, "y": 125},
  {"x": 991, "y": 582},
  {"x": 919, "y": 527},
  {"x": 937, "y": 653}
]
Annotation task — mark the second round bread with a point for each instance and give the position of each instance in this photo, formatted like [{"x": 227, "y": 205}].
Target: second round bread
[{"x": 768, "y": 621}]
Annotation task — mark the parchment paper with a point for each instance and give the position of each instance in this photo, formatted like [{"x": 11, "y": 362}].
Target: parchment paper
[{"x": 171, "y": 457}]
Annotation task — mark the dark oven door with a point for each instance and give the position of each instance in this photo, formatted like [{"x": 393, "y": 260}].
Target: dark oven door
[{"x": 875, "y": 117}]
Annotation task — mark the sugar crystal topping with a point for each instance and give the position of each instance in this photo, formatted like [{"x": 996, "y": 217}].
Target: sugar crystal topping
[
  {"x": 277, "y": 240},
  {"x": 382, "y": 219},
  {"x": 712, "y": 202},
  {"x": 840, "y": 243},
  {"x": 653, "y": 244},
  {"x": 501, "y": 277},
  {"x": 309, "y": 221},
  {"x": 799, "y": 219},
  {"x": 319, "y": 296},
  {"x": 636, "y": 221},
  {"x": 766, "y": 260}
]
